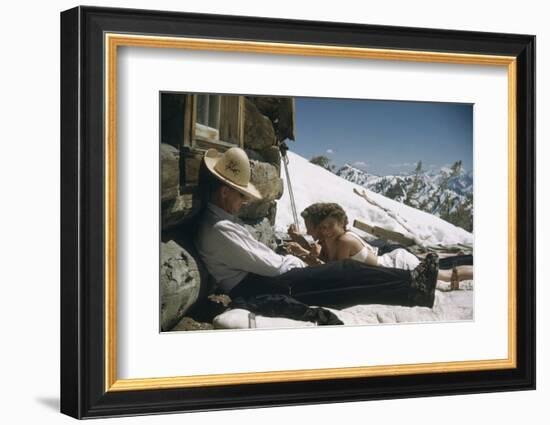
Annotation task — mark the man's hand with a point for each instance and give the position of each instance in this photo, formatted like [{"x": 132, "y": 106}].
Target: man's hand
[
  {"x": 292, "y": 231},
  {"x": 295, "y": 249},
  {"x": 297, "y": 236}
]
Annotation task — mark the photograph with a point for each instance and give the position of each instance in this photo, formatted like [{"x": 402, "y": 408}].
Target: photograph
[
  {"x": 282, "y": 212},
  {"x": 263, "y": 212}
]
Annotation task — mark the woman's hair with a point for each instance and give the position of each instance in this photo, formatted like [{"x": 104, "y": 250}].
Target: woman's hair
[
  {"x": 335, "y": 211},
  {"x": 319, "y": 211},
  {"x": 312, "y": 213}
]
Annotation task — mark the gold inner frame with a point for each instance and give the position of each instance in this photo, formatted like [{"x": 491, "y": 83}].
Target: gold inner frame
[{"x": 113, "y": 41}]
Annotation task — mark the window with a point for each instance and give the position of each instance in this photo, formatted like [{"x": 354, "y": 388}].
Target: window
[
  {"x": 206, "y": 121},
  {"x": 208, "y": 117},
  {"x": 218, "y": 121}
]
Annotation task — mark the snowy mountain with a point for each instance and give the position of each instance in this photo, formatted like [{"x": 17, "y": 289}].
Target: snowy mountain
[
  {"x": 447, "y": 193},
  {"x": 311, "y": 183},
  {"x": 355, "y": 175}
]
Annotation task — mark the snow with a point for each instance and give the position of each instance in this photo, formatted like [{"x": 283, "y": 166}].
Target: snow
[{"x": 312, "y": 183}]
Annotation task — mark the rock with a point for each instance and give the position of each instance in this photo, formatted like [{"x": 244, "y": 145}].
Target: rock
[
  {"x": 189, "y": 324},
  {"x": 280, "y": 111},
  {"x": 252, "y": 154},
  {"x": 255, "y": 211},
  {"x": 263, "y": 232},
  {"x": 170, "y": 171},
  {"x": 258, "y": 129},
  {"x": 272, "y": 213},
  {"x": 180, "y": 283},
  {"x": 180, "y": 209},
  {"x": 272, "y": 155},
  {"x": 266, "y": 179}
]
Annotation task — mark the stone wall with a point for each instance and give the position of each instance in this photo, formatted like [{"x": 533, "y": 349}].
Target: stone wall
[
  {"x": 184, "y": 281},
  {"x": 265, "y": 159}
]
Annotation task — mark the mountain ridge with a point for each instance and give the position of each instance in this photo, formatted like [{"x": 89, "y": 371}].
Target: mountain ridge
[{"x": 447, "y": 193}]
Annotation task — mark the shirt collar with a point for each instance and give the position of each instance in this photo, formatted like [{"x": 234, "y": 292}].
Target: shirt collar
[{"x": 220, "y": 213}]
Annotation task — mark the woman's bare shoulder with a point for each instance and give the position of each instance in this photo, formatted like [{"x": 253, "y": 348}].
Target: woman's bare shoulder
[{"x": 348, "y": 240}]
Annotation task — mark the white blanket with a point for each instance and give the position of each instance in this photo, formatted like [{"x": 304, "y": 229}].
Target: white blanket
[{"x": 448, "y": 306}]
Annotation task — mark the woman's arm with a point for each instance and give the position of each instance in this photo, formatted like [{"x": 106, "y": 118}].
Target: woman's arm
[{"x": 324, "y": 252}]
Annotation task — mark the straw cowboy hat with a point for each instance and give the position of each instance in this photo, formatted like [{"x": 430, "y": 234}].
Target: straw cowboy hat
[{"x": 233, "y": 168}]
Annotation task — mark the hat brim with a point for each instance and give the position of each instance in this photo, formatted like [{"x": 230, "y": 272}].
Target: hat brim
[{"x": 211, "y": 157}]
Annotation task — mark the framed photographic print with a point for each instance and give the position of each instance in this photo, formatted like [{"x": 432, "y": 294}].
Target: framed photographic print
[{"x": 261, "y": 212}]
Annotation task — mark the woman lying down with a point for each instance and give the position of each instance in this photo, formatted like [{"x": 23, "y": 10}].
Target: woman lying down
[{"x": 327, "y": 224}]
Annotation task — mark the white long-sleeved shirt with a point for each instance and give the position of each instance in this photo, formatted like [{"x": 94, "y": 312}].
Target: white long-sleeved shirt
[{"x": 230, "y": 252}]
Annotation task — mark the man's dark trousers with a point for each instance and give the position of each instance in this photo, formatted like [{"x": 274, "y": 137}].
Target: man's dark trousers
[{"x": 336, "y": 284}]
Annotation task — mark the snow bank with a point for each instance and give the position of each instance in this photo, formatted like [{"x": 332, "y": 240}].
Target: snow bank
[{"x": 312, "y": 183}]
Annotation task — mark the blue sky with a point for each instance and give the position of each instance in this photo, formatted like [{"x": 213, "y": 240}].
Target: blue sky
[{"x": 384, "y": 137}]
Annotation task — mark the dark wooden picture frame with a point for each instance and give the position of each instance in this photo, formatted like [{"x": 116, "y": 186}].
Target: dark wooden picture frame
[{"x": 89, "y": 387}]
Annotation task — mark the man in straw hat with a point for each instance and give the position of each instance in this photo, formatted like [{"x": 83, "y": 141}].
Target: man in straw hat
[{"x": 242, "y": 266}]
